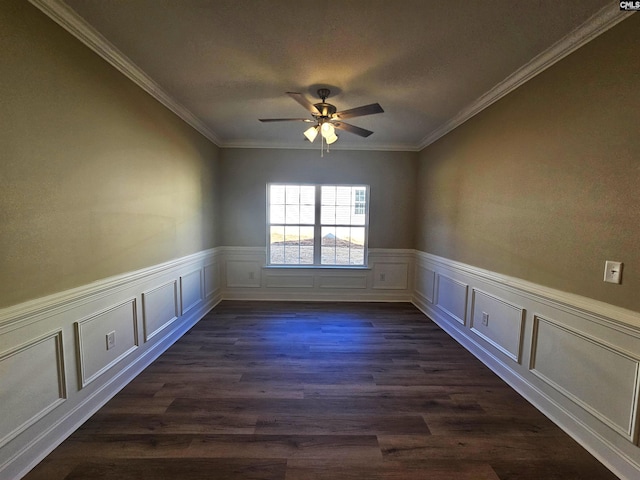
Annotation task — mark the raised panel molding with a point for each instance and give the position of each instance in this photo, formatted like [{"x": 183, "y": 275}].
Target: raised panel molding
[
  {"x": 44, "y": 409},
  {"x": 497, "y": 322},
  {"x": 425, "y": 282},
  {"x": 243, "y": 273},
  {"x": 611, "y": 332},
  {"x": 451, "y": 297},
  {"x": 349, "y": 281},
  {"x": 562, "y": 384},
  {"x": 159, "y": 308},
  {"x": 211, "y": 279},
  {"x": 94, "y": 358},
  {"x": 191, "y": 290},
  {"x": 33, "y": 384},
  {"x": 289, "y": 280},
  {"x": 391, "y": 275},
  {"x": 249, "y": 278},
  {"x": 601, "y": 379}
]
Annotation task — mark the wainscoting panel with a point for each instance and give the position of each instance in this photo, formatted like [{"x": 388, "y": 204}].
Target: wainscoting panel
[
  {"x": 451, "y": 297},
  {"x": 273, "y": 279},
  {"x": 579, "y": 365},
  {"x": 573, "y": 363},
  {"x": 425, "y": 283},
  {"x": 244, "y": 273},
  {"x": 343, "y": 280},
  {"x": 577, "y": 360},
  {"x": 94, "y": 354},
  {"x": 388, "y": 277},
  {"x": 191, "y": 290},
  {"x": 34, "y": 360},
  {"x": 391, "y": 276},
  {"x": 159, "y": 308},
  {"x": 211, "y": 279},
  {"x": 33, "y": 384},
  {"x": 497, "y": 322}
]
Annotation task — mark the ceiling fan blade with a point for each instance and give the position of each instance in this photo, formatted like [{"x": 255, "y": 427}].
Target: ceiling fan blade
[
  {"x": 359, "y": 111},
  {"x": 302, "y": 100},
  {"x": 308, "y": 120},
  {"x": 347, "y": 127}
]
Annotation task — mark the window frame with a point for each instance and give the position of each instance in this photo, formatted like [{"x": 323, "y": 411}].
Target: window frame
[{"x": 317, "y": 226}]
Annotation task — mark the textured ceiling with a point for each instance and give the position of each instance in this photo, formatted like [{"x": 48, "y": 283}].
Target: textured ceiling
[{"x": 428, "y": 63}]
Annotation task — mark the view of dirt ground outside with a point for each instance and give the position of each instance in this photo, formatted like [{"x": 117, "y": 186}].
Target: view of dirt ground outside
[{"x": 292, "y": 230}]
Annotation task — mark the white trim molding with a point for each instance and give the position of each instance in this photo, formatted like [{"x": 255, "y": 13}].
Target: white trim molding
[
  {"x": 89, "y": 314},
  {"x": 582, "y": 370},
  {"x": 388, "y": 277},
  {"x": 496, "y": 317},
  {"x": 599, "y": 23},
  {"x": 68, "y": 19}
]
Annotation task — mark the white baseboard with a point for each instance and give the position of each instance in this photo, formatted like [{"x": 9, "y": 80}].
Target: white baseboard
[
  {"x": 603, "y": 329},
  {"x": 67, "y": 331},
  {"x": 387, "y": 278},
  {"x": 504, "y": 322},
  {"x": 37, "y": 450}
]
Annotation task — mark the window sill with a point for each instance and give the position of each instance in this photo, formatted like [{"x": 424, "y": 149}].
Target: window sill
[{"x": 316, "y": 267}]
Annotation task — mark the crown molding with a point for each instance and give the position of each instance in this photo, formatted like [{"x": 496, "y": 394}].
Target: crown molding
[
  {"x": 68, "y": 19},
  {"x": 336, "y": 147},
  {"x": 599, "y": 23}
]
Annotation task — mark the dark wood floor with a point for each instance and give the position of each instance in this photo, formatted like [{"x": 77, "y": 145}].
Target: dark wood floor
[{"x": 267, "y": 390}]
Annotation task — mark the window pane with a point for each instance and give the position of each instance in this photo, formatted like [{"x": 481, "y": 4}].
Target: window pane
[
  {"x": 292, "y": 214},
  {"x": 343, "y": 215},
  {"x": 276, "y": 214},
  {"x": 307, "y": 214},
  {"x": 306, "y": 245},
  {"x": 276, "y": 247},
  {"x": 343, "y": 244},
  {"x": 292, "y": 245},
  {"x": 307, "y": 195},
  {"x": 292, "y": 194},
  {"x": 328, "y": 195},
  {"x": 328, "y": 214},
  {"x": 276, "y": 195},
  {"x": 357, "y": 256},
  {"x": 357, "y": 246},
  {"x": 328, "y": 248},
  {"x": 343, "y": 196},
  {"x": 357, "y": 236}
]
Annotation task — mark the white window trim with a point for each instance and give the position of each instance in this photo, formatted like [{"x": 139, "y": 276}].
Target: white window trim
[{"x": 317, "y": 230}]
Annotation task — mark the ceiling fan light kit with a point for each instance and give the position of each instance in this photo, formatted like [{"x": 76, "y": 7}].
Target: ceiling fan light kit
[{"x": 327, "y": 118}]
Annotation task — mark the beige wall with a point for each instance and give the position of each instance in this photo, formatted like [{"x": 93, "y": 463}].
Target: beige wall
[
  {"x": 545, "y": 184},
  {"x": 96, "y": 177},
  {"x": 391, "y": 176}
]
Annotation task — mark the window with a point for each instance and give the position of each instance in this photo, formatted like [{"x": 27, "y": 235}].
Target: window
[
  {"x": 360, "y": 201},
  {"x": 317, "y": 224}
]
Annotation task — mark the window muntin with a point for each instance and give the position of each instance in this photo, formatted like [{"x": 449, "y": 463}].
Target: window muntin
[
  {"x": 291, "y": 224},
  {"x": 323, "y": 225}
]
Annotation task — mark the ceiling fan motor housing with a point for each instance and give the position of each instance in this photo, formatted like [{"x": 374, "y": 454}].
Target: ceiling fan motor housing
[{"x": 326, "y": 110}]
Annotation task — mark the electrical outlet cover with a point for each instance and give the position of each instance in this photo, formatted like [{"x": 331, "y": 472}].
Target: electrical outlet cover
[
  {"x": 613, "y": 272},
  {"x": 111, "y": 340}
]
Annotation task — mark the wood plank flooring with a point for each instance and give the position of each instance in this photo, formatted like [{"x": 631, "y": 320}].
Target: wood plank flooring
[{"x": 315, "y": 391}]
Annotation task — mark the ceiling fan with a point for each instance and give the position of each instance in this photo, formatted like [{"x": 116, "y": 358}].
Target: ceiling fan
[{"x": 327, "y": 118}]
